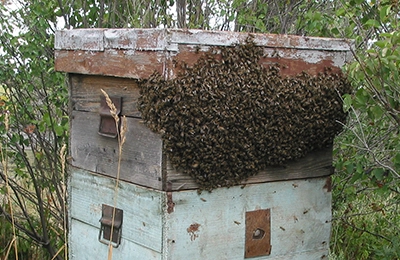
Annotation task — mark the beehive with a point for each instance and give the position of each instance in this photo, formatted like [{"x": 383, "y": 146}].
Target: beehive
[{"x": 280, "y": 212}]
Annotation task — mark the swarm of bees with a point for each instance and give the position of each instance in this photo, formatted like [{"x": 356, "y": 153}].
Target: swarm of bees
[{"x": 226, "y": 118}]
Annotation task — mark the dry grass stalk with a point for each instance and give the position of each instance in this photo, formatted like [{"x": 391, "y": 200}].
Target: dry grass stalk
[
  {"x": 59, "y": 251},
  {"x": 121, "y": 135},
  {"x": 113, "y": 109},
  {"x": 63, "y": 153}
]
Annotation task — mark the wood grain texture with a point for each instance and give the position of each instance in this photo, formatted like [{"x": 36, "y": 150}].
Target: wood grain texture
[
  {"x": 83, "y": 245},
  {"x": 200, "y": 226},
  {"x": 258, "y": 233},
  {"x": 136, "y": 53},
  {"x": 315, "y": 164},
  {"x": 227, "y": 38},
  {"x": 141, "y": 64},
  {"x": 142, "y": 209},
  {"x": 119, "y": 63},
  {"x": 141, "y": 160},
  {"x": 99, "y": 39},
  {"x": 167, "y": 39},
  {"x": 85, "y": 93},
  {"x": 212, "y": 225}
]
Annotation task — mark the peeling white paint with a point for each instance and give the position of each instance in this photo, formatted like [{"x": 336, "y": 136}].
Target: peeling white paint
[
  {"x": 82, "y": 39},
  {"x": 98, "y": 39},
  {"x": 139, "y": 46}
]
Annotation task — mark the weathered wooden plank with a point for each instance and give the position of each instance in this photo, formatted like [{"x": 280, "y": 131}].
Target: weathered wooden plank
[
  {"x": 227, "y": 38},
  {"x": 136, "y": 53},
  {"x": 292, "y": 61},
  {"x": 146, "y": 63},
  {"x": 141, "y": 64},
  {"x": 142, "y": 213},
  {"x": 121, "y": 63},
  {"x": 100, "y": 39},
  {"x": 200, "y": 226},
  {"x": 315, "y": 164},
  {"x": 85, "y": 92},
  {"x": 141, "y": 157},
  {"x": 166, "y": 39},
  {"x": 82, "y": 39},
  {"x": 212, "y": 225},
  {"x": 83, "y": 245},
  {"x": 135, "y": 39}
]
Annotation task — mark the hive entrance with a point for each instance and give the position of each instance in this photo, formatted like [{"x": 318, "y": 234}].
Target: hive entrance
[{"x": 227, "y": 117}]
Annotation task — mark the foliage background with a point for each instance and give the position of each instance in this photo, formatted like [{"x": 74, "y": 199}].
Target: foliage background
[{"x": 34, "y": 121}]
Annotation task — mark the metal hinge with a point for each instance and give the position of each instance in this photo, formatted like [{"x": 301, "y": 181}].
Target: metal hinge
[
  {"x": 108, "y": 224},
  {"x": 108, "y": 126}
]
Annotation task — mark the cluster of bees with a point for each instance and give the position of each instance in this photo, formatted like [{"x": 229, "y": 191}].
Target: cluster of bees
[{"x": 226, "y": 118}]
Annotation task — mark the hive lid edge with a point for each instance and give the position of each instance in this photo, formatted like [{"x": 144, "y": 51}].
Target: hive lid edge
[{"x": 100, "y": 38}]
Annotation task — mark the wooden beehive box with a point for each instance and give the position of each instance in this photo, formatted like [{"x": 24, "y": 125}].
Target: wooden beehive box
[{"x": 281, "y": 213}]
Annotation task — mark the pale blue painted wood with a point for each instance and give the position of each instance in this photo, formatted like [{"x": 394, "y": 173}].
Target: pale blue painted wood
[
  {"x": 142, "y": 208},
  {"x": 300, "y": 221},
  {"x": 83, "y": 245}
]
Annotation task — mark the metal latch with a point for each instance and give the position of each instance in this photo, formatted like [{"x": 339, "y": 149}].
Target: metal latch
[
  {"x": 108, "y": 224},
  {"x": 108, "y": 127},
  {"x": 258, "y": 233}
]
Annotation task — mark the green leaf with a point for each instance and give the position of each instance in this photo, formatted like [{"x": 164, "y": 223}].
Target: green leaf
[
  {"x": 378, "y": 173},
  {"x": 384, "y": 12},
  {"x": 373, "y": 23},
  {"x": 396, "y": 160},
  {"x": 340, "y": 12},
  {"x": 361, "y": 97},
  {"x": 376, "y": 111},
  {"x": 46, "y": 119},
  {"x": 335, "y": 31},
  {"x": 356, "y": 176},
  {"x": 349, "y": 167},
  {"x": 59, "y": 130},
  {"x": 360, "y": 168},
  {"x": 317, "y": 16},
  {"x": 380, "y": 44},
  {"x": 384, "y": 52},
  {"x": 347, "y": 102},
  {"x": 385, "y": 35}
]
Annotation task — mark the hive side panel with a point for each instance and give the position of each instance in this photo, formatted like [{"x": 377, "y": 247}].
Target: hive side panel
[
  {"x": 83, "y": 245},
  {"x": 141, "y": 159},
  {"x": 85, "y": 93},
  {"x": 315, "y": 164},
  {"x": 142, "y": 214},
  {"x": 212, "y": 225}
]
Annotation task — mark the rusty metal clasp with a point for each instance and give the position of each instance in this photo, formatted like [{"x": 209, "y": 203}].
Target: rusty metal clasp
[
  {"x": 108, "y": 127},
  {"x": 107, "y": 223}
]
